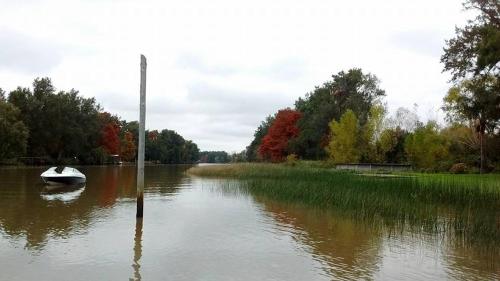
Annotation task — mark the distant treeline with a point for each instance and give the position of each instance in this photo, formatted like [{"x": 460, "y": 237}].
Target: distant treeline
[
  {"x": 345, "y": 119},
  {"x": 221, "y": 157},
  {"x": 214, "y": 157},
  {"x": 64, "y": 127}
]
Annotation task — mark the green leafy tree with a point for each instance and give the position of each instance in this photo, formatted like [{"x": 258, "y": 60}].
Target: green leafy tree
[
  {"x": 62, "y": 124},
  {"x": 391, "y": 145},
  {"x": 343, "y": 146},
  {"x": 475, "y": 102},
  {"x": 168, "y": 147},
  {"x": 13, "y": 132},
  {"x": 476, "y": 48},
  {"x": 190, "y": 152},
  {"x": 214, "y": 157},
  {"x": 252, "y": 150},
  {"x": 370, "y": 134},
  {"x": 473, "y": 58},
  {"x": 427, "y": 149},
  {"x": 352, "y": 90}
]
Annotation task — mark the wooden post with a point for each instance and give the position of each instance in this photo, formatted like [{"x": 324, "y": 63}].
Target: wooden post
[{"x": 142, "y": 123}]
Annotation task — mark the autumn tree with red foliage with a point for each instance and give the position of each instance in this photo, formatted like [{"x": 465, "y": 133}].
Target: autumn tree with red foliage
[
  {"x": 284, "y": 128},
  {"x": 128, "y": 148},
  {"x": 110, "y": 133}
]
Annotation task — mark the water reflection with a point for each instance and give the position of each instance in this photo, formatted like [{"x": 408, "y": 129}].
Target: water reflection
[
  {"x": 348, "y": 250},
  {"x": 137, "y": 250},
  {"x": 28, "y": 210},
  {"x": 355, "y": 250},
  {"x": 206, "y": 229},
  {"x": 62, "y": 193}
]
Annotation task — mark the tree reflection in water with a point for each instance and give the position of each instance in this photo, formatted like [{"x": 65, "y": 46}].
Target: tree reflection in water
[
  {"x": 27, "y": 210},
  {"x": 349, "y": 250}
]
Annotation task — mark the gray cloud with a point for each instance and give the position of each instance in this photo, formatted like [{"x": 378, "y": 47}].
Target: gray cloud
[
  {"x": 218, "y": 112},
  {"x": 192, "y": 62},
  {"x": 214, "y": 82},
  {"x": 289, "y": 69},
  {"x": 425, "y": 42},
  {"x": 283, "y": 69},
  {"x": 211, "y": 100},
  {"x": 21, "y": 53}
]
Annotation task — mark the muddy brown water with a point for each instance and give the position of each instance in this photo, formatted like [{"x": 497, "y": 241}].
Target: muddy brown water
[{"x": 195, "y": 230}]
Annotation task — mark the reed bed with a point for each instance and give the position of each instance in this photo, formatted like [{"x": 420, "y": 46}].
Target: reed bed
[{"x": 467, "y": 205}]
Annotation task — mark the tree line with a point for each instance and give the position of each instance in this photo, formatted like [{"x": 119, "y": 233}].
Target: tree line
[
  {"x": 345, "y": 119},
  {"x": 59, "y": 127},
  {"x": 222, "y": 157}
]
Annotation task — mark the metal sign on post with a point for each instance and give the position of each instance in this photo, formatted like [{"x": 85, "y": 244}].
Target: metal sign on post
[{"x": 140, "y": 153}]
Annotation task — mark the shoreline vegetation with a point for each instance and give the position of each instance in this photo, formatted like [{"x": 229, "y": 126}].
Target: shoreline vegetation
[
  {"x": 346, "y": 120},
  {"x": 467, "y": 206},
  {"x": 45, "y": 126}
]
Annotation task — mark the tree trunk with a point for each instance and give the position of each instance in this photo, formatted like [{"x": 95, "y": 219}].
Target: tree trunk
[{"x": 481, "y": 129}]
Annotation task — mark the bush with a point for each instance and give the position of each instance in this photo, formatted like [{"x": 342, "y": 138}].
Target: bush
[
  {"x": 458, "y": 168},
  {"x": 291, "y": 159}
]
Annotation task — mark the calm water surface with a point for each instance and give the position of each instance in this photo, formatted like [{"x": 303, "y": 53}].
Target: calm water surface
[{"x": 199, "y": 229}]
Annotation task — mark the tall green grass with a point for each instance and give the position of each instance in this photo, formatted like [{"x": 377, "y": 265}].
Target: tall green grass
[{"x": 467, "y": 205}]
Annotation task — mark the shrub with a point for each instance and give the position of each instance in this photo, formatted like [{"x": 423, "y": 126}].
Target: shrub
[
  {"x": 458, "y": 168},
  {"x": 291, "y": 159}
]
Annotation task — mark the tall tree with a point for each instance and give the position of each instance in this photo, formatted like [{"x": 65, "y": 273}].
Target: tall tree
[
  {"x": 13, "y": 132},
  {"x": 476, "y": 48},
  {"x": 168, "y": 147},
  {"x": 391, "y": 145},
  {"x": 475, "y": 102},
  {"x": 427, "y": 148},
  {"x": 344, "y": 146},
  {"x": 129, "y": 134},
  {"x": 110, "y": 133},
  {"x": 62, "y": 124},
  {"x": 191, "y": 152},
  {"x": 128, "y": 148},
  {"x": 252, "y": 150},
  {"x": 274, "y": 145},
  {"x": 370, "y": 133},
  {"x": 352, "y": 90},
  {"x": 473, "y": 58}
]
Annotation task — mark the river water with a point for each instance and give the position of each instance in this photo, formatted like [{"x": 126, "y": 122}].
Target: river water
[{"x": 199, "y": 229}]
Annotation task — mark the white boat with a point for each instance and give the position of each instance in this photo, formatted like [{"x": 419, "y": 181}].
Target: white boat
[{"x": 67, "y": 176}]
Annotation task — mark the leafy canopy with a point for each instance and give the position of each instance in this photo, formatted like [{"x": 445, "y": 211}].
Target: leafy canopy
[
  {"x": 352, "y": 90},
  {"x": 275, "y": 144},
  {"x": 343, "y": 146},
  {"x": 476, "y": 48}
]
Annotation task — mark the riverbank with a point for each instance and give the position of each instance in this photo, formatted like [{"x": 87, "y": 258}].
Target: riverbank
[{"x": 467, "y": 205}]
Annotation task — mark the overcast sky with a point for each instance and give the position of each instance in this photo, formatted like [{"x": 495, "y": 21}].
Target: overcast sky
[{"x": 217, "y": 68}]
